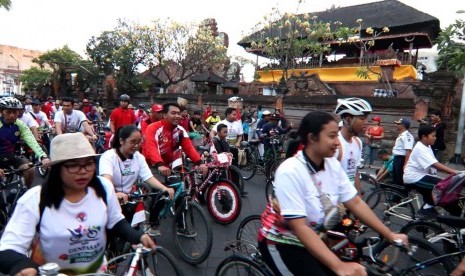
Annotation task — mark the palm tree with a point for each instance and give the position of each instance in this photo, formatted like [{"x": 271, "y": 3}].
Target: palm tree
[{"x": 5, "y": 4}]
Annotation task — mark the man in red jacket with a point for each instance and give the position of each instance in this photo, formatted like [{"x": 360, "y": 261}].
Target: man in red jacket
[
  {"x": 163, "y": 139},
  {"x": 122, "y": 116}
]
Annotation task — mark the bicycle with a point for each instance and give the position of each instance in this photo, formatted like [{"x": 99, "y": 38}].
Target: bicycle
[
  {"x": 195, "y": 244},
  {"x": 267, "y": 165},
  {"x": 247, "y": 232},
  {"x": 142, "y": 261},
  {"x": 12, "y": 187},
  {"x": 220, "y": 195}
]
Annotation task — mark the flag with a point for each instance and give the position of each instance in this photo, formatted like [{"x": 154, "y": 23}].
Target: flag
[{"x": 139, "y": 215}]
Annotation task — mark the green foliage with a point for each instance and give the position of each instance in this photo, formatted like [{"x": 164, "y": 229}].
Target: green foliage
[
  {"x": 363, "y": 73},
  {"x": 173, "y": 52},
  {"x": 34, "y": 78},
  {"x": 451, "y": 48},
  {"x": 58, "y": 59},
  {"x": 5, "y": 4}
]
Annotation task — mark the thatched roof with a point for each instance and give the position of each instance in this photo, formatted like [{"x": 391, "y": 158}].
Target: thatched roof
[{"x": 402, "y": 20}]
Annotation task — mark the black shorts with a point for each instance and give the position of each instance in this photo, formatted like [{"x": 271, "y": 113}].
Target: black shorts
[{"x": 6, "y": 160}]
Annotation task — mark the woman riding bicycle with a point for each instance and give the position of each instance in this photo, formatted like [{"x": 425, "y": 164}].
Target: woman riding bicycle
[
  {"x": 64, "y": 219},
  {"x": 123, "y": 165},
  {"x": 308, "y": 189}
]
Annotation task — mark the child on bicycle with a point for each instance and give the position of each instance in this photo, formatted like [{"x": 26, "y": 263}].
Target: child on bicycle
[{"x": 421, "y": 168}]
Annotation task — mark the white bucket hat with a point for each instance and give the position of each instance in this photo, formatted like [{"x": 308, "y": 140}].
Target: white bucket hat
[{"x": 70, "y": 146}]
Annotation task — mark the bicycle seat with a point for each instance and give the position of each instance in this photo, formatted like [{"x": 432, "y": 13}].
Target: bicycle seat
[{"x": 452, "y": 221}]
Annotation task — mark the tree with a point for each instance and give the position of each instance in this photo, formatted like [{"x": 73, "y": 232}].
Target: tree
[
  {"x": 5, "y": 4},
  {"x": 62, "y": 62},
  {"x": 35, "y": 78},
  {"x": 451, "y": 48},
  {"x": 172, "y": 52}
]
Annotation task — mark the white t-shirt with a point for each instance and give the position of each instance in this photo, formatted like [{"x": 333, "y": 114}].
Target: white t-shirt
[
  {"x": 27, "y": 108},
  {"x": 419, "y": 163},
  {"x": 234, "y": 129},
  {"x": 55, "y": 109},
  {"x": 297, "y": 194},
  {"x": 351, "y": 155},
  {"x": 124, "y": 173},
  {"x": 72, "y": 236},
  {"x": 73, "y": 121},
  {"x": 403, "y": 143},
  {"x": 40, "y": 117},
  {"x": 28, "y": 120}
]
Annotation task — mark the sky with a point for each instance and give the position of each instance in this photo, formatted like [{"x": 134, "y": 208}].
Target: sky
[{"x": 50, "y": 24}]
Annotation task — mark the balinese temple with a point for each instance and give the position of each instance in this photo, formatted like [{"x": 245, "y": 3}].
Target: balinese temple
[{"x": 395, "y": 52}]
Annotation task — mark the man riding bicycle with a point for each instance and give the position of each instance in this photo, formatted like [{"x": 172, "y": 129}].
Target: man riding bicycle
[
  {"x": 165, "y": 137},
  {"x": 11, "y": 131},
  {"x": 69, "y": 120}
]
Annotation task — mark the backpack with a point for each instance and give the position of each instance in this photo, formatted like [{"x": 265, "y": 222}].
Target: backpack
[{"x": 447, "y": 191}]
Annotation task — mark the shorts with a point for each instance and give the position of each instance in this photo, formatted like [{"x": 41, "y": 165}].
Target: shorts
[{"x": 6, "y": 160}]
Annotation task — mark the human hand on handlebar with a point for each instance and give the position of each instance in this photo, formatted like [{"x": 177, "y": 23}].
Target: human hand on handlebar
[
  {"x": 202, "y": 168},
  {"x": 350, "y": 269},
  {"x": 165, "y": 171},
  {"x": 2, "y": 173},
  {"x": 398, "y": 236},
  {"x": 122, "y": 197},
  {"x": 170, "y": 192},
  {"x": 148, "y": 242}
]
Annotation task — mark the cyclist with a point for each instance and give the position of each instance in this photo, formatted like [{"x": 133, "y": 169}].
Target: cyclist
[
  {"x": 69, "y": 214},
  {"x": 122, "y": 115},
  {"x": 353, "y": 113},
  {"x": 70, "y": 120},
  {"x": 421, "y": 168},
  {"x": 165, "y": 137},
  {"x": 213, "y": 119},
  {"x": 42, "y": 120},
  {"x": 308, "y": 187},
  {"x": 154, "y": 116},
  {"x": 235, "y": 131},
  {"x": 272, "y": 129},
  {"x": 123, "y": 165},
  {"x": 30, "y": 122},
  {"x": 11, "y": 130}
]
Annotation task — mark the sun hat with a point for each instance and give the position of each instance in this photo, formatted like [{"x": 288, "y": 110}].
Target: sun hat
[
  {"x": 70, "y": 146},
  {"x": 403, "y": 121}
]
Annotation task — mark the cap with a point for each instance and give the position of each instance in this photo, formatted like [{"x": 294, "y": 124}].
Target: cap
[
  {"x": 266, "y": 112},
  {"x": 141, "y": 105},
  {"x": 403, "y": 121},
  {"x": 377, "y": 119},
  {"x": 35, "y": 102},
  {"x": 157, "y": 108}
]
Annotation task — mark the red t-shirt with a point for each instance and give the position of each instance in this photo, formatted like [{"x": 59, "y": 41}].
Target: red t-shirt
[
  {"x": 47, "y": 109},
  {"x": 122, "y": 117},
  {"x": 86, "y": 108}
]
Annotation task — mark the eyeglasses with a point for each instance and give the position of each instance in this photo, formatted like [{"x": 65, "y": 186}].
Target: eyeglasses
[{"x": 76, "y": 168}]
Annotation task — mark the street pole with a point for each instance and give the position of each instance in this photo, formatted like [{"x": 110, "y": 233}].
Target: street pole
[
  {"x": 17, "y": 73},
  {"x": 458, "y": 143}
]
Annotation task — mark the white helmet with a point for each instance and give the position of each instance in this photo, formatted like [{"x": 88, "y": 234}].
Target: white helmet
[
  {"x": 10, "y": 103},
  {"x": 354, "y": 106}
]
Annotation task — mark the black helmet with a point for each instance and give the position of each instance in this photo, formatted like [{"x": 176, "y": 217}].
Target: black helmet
[
  {"x": 125, "y": 98},
  {"x": 10, "y": 103}
]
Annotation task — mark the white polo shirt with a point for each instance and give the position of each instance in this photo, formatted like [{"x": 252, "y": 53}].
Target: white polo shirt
[{"x": 403, "y": 143}]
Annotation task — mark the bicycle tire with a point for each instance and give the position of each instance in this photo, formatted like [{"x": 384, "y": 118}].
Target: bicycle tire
[
  {"x": 224, "y": 201},
  {"x": 198, "y": 222},
  {"x": 368, "y": 184},
  {"x": 161, "y": 262},
  {"x": 271, "y": 167},
  {"x": 385, "y": 203},
  {"x": 3, "y": 221},
  {"x": 235, "y": 176},
  {"x": 429, "y": 231},
  {"x": 247, "y": 232},
  {"x": 248, "y": 171},
  {"x": 407, "y": 263},
  {"x": 239, "y": 265},
  {"x": 269, "y": 189}
]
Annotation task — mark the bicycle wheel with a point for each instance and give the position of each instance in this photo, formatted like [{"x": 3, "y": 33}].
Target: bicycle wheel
[
  {"x": 434, "y": 233},
  {"x": 271, "y": 167},
  {"x": 269, "y": 188},
  {"x": 248, "y": 171},
  {"x": 248, "y": 229},
  {"x": 224, "y": 201},
  {"x": 368, "y": 184},
  {"x": 192, "y": 233},
  {"x": 238, "y": 265},
  {"x": 3, "y": 221},
  {"x": 390, "y": 207},
  {"x": 235, "y": 176},
  {"x": 161, "y": 262},
  {"x": 408, "y": 262}
]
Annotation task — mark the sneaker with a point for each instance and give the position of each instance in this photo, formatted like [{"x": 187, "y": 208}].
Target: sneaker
[
  {"x": 186, "y": 232},
  {"x": 429, "y": 213},
  {"x": 153, "y": 232}
]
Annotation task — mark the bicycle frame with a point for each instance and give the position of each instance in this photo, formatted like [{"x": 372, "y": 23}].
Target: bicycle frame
[{"x": 403, "y": 202}]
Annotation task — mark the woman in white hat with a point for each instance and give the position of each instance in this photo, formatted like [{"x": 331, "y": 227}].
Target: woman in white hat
[{"x": 68, "y": 215}]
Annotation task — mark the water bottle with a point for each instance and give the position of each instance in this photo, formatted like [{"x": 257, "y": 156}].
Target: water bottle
[{"x": 49, "y": 269}]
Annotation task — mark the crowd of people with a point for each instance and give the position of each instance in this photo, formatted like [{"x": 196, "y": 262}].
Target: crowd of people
[{"x": 321, "y": 173}]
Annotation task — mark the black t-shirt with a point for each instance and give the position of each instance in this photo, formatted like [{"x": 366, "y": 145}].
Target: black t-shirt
[
  {"x": 220, "y": 145},
  {"x": 197, "y": 123}
]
